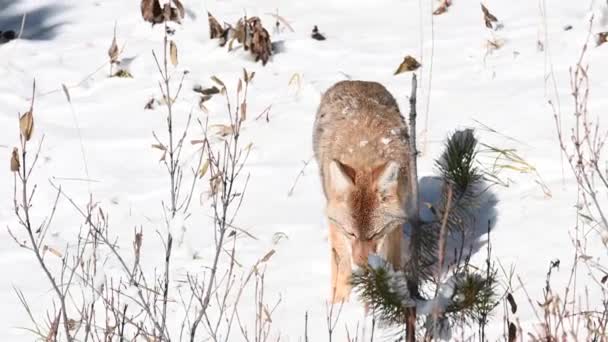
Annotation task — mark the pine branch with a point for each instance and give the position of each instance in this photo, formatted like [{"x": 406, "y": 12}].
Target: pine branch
[
  {"x": 383, "y": 290},
  {"x": 456, "y": 164}
]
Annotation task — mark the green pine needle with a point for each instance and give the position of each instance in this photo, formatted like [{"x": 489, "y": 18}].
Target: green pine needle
[
  {"x": 384, "y": 292},
  {"x": 457, "y": 161}
]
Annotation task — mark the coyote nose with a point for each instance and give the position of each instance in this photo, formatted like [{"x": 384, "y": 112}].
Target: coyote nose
[{"x": 361, "y": 250}]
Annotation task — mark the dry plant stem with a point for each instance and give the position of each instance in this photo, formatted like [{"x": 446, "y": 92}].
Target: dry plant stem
[
  {"x": 300, "y": 174},
  {"x": 443, "y": 236},
  {"x": 414, "y": 218},
  {"x": 131, "y": 275},
  {"x": 579, "y": 82},
  {"x": 25, "y": 221},
  {"x": 226, "y": 167},
  {"x": 551, "y": 73}
]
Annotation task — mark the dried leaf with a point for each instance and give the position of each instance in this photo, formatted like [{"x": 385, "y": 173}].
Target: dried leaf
[
  {"x": 223, "y": 130},
  {"x": 512, "y": 332},
  {"x": 585, "y": 257},
  {"x": 203, "y": 169},
  {"x": 151, "y": 11},
  {"x": 215, "y": 29},
  {"x": 150, "y": 104},
  {"x": 173, "y": 52},
  {"x": 440, "y": 10},
  {"x": 239, "y": 86},
  {"x": 113, "y": 50},
  {"x": 245, "y": 75},
  {"x": 66, "y": 92},
  {"x": 26, "y": 125},
  {"x": 267, "y": 315},
  {"x": 488, "y": 17},
  {"x": 604, "y": 278},
  {"x": 251, "y": 76},
  {"x": 215, "y": 184},
  {"x": 180, "y": 8},
  {"x": 294, "y": 79},
  {"x": 512, "y": 303},
  {"x": 159, "y": 147},
  {"x": 261, "y": 46},
  {"x": 243, "y": 111},
  {"x": 409, "y": 64},
  {"x": 218, "y": 81},
  {"x": 495, "y": 44},
  {"x": 15, "y": 164},
  {"x": 443, "y": 7},
  {"x": 602, "y": 38},
  {"x": 53, "y": 251},
  {"x": 267, "y": 256}
]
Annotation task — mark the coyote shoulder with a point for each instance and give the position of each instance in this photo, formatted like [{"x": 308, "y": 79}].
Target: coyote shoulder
[{"x": 360, "y": 142}]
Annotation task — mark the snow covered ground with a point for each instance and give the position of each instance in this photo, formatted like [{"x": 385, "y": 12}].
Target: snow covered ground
[{"x": 462, "y": 85}]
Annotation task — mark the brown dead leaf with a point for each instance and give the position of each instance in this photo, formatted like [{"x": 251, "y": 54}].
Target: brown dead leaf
[
  {"x": 443, "y": 7},
  {"x": 215, "y": 29},
  {"x": 26, "y": 124},
  {"x": 243, "y": 111},
  {"x": 267, "y": 256},
  {"x": 173, "y": 53},
  {"x": 512, "y": 303},
  {"x": 113, "y": 50},
  {"x": 488, "y": 17},
  {"x": 218, "y": 81},
  {"x": 210, "y": 91},
  {"x": 150, "y": 104},
  {"x": 151, "y": 11},
  {"x": 512, "y": 332},
  {"x": 215, "y": 183},
  {"x": 15, "y": 164},
  {"x": 180, "y": 8},
  {"x": 159, "y": 147},
  {"x": 245, "y": 75},
  {"x": 409, "y": 64},
  {"x": 261, "y": 46},
  {"x": 602, "y": 38}
]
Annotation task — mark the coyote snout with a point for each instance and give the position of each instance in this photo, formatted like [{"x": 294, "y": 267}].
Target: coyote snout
[{"x": 361, "y": 146}]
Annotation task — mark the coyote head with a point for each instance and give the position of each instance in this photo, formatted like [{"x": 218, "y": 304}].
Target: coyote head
[{"x": 366, "y": 205}]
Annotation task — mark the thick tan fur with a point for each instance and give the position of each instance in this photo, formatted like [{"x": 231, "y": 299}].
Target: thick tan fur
[{"x": 361, "y": 146}]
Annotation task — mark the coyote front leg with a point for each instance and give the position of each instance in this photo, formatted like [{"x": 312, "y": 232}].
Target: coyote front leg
[{"x": 340, "y": 266}]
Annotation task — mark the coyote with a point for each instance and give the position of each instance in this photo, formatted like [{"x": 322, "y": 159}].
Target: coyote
[{"x": 361, "y": 145}]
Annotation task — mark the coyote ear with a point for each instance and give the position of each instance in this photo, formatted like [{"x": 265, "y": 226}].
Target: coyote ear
[
  {"x": 341, "y": 176},
  {"x": 386, "y": 176}
]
